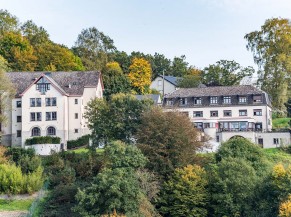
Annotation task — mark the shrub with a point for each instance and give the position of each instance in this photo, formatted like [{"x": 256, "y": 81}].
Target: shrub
[
  {"x": 34, "y": 180},
  {"x": 82, "y": 141},
  {"x": 16, "y": 154},
  {"x": 43, "y": 140}
]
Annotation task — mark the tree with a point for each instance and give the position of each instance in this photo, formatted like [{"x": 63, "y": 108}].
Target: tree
[
  {"x": 165, "y": 145},
  {"x": 179, "y": 66},
  {"x": 185, "y": 193},
  {"x": 123, "y": 59},
  {"x": 8, "y": 22},
  {"x": 115, "y": 119},
  {"x": 285, "y": 208},
  {"x": 189, "y": 81},
  {"x": 271, "y": 47},
  {"x": 114, "y": 80},
  {"x": 93, "y": 47},
  {"x": 18, "y": 52},
  {"x": 140, "y": 75},
  {"x": 36, "y": 35},
  {"x": 7, "y": 92},
  {"x": 160, "y": 64},
  {"x": 225, "y": 73}
]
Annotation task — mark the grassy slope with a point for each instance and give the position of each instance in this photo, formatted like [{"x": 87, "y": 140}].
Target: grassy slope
[
  {"x": 276, "y": 155},
  {"x": 281, "y": 122},
  {"x": 13, "y": 205}
]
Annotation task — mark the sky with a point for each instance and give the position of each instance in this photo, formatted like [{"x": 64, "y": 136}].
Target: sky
[{"x": 205, "y": 31}]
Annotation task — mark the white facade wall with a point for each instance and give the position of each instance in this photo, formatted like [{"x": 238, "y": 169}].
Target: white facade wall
[
  {"x": 273, "y": 139},
  {"x": 158, "y": 85}
]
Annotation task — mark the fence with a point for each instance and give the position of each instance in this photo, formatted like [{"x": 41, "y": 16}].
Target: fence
[{"x": 41, "y": 194}]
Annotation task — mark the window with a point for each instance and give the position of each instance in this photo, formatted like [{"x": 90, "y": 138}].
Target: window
[
  {"x": 51, "y": 116},
  {"x": 217, "y": 138},
  {"x": 76, "y": 130},
  {"x": 35, "y": 102},
  {"x": 258, "y": 99},
  {"x": 209, "y": 125},
  {"x": 35, "y": 131},
  {"x": 52, "y": 101},
  {"x": 43, "y": 87},
  {"x": 198, "y": 125},
  {"x": 213, "y": 100},
  {"x": 213, "y": 113},
  {"x": 169, "y": 102},
  {"x": 76, "y": 101},
  {"x": 51, "y": 131},
  {"x": 198, "y": 114},
  {"x": 276, "y": 141},
  {"x": 18, "y": 119},
  {"x": 18, "y": 133},
  {"x": 35, "y": 116},
  {"x": 243, "y": 112},
  {"x": 227, "y": 113},
  {"x": 76, "y": 115},
  {"x": 197, "y": 101},
  {"x": 257, "y": 112},
  {"x": 18, "y": 104},
  {"x": 183, "y": 101},
  {"x": 242, "y": 99},
  {"x": 227, "y": 100}
]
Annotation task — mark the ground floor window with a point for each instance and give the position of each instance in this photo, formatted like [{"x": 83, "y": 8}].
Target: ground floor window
[
  {"x": 35, "y": 131},
  {"x": 51, "y": 131}
]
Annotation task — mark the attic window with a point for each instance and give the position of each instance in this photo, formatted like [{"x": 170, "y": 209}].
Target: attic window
[
  {"x": 74, "y": 83},
  {"x": 43, "y": 85}
]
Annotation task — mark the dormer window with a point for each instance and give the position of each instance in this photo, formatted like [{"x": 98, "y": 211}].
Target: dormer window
[
  {"x": 183, "y": 101},
  {"x": 227, "y": 100},
  {"x": 258, "y": 99},
  {"x": 242, "y": 99},
  {"x": 197, "y": 100},
  {"x": 43, "y": 85},
  {"x": 213, "y": 100}
]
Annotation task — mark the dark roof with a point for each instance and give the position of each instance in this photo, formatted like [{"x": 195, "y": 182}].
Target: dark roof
[
  {"x": 173, "y": 80},
  {"x": 215, "y": 91},
  {"x": 155, "y": 97},
  {"x": 77, "y": 80}
]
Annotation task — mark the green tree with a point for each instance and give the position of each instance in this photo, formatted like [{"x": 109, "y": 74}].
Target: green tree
[
  {"x": 225, "y": 73},
  {"x": 179, "y": 66},
  {"x": 271, "y": 47},
  {"x": 114, "y": 80},
  {"x": 185, "y": 193},
  {"x": 18, "y": 52},
  {"x": 123, "y": 59},
  {"x": 165, "y": 145},
  {"x": 7, "y": 92},
  {"x": 93, "y": 47},
  {"x": 36, "y": 35},
  {"x": 189, "y": 81},
  {"x": 160, "y": 64},
  {"x": 8, "y": 22},
  {"x": 115, "y": 119}
]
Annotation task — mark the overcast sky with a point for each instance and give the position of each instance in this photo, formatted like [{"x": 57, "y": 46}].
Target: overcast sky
[{"x": 204, "y": 30}]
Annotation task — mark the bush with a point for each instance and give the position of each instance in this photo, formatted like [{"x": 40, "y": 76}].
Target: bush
[
  {"x": 43, "y": 140},
  {"x": 16, "y": 154},
  {"x": 82, "y": 141},
  {"x": 11, "y": 179}
]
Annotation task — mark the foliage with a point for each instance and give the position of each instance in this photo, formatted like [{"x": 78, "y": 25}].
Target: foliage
[
  {"x": 225, "y": 73},
  {"x": 185, "y": 193},
  {"x": 8, "y": 22},
  {"x": 43, "y": 140},
  {"x": 12, "y": 181},
  {"x": 81, "y": 141},
  {"x": 189, "y": 81},
  {"x": 281, "y": 180},
  {"x": 140, "y": 75},
  {"x": 115, "y": 119},
  {"x": 118, "y": 154},
  {"x": 11, "y": 205},
  {"x": 179, "y": 66},
  {"x": 3, "y": 157},
  {"x": 165, "y": 145},
  {"x": 272, "y": 53},
  {"x": 17, "y": 51},
  {"x": 279, "y": 123},
  {"x": 36, "y": 35},
  {"x": 285, "y": 208},
  {"x": 93, "y": 47},
  {"x": 16, "y": 154},
  {"x": 114, "y": 80}
]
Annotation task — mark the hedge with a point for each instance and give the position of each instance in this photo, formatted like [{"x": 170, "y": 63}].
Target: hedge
[
  {"x": 43, "y": 140},
  {"x": 82, "y": 141}
]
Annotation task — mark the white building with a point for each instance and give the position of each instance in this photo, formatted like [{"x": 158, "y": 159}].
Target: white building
[
  {"x": 50, "y": 104},
  {"x": 166, "y": 86},
  {"x": 224, "y": 112}
]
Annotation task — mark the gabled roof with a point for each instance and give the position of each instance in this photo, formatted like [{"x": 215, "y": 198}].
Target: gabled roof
[
  {"x": 173, "y": 80},
  {"x": 155, "y": 97},
  {"x": 215, "y": 91},
  {"x": 72, "y": 83}
]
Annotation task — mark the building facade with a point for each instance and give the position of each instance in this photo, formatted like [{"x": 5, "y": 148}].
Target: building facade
[
  {"x": 50, "y": 104},
  {"x": 224, "y": 112}
]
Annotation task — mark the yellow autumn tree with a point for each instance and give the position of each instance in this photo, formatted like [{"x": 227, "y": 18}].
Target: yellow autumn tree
[
  {"x": 285, "y": 208},
  {"x": 140, "y": 73}
]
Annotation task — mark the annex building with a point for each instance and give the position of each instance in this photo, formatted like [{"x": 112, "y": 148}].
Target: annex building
[
  {"x": 50, "y": 104},
  {"x": 225, "y": 111}
]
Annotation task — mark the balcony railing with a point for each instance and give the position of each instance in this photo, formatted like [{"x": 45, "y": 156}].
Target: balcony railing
[{"x": 238, "y": 130}]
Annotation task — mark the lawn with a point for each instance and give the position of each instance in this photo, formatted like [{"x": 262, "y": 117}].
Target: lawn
[
  {"x": 276, "y": 155},
  {"x": 13, "y": 205},
  {"x": 281, "y": 123},
  {"x": 85, "y": 150}
]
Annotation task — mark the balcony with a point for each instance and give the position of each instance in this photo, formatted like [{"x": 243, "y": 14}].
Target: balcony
[{"x": 219, "y": 130}]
